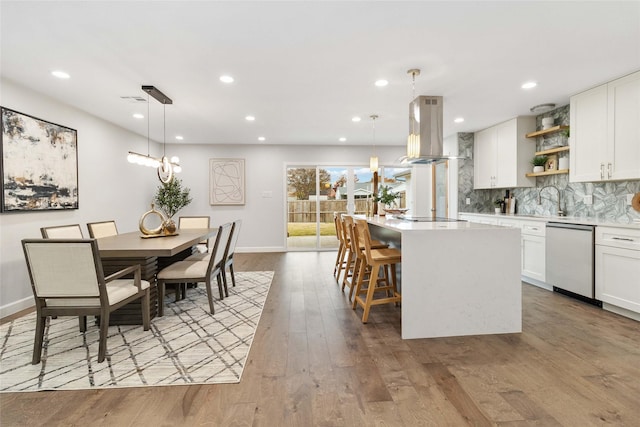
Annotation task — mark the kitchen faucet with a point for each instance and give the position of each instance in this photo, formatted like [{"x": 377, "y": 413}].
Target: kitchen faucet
[{"x": 560, "y": 211}]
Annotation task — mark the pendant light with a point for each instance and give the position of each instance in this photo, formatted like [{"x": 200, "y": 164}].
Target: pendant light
[
  {"x": 166, "y": 168},
  {"x": 413, "y": 141},
  {"x": 373, "y": 160}
]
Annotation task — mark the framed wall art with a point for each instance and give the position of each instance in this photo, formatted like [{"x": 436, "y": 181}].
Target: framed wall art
[
  {"x": 226, "y": 181},
  {"x": 39, "y": 164}
]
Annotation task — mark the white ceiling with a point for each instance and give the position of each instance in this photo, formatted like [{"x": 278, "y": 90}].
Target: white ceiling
[{"x": 304, "y": 69}]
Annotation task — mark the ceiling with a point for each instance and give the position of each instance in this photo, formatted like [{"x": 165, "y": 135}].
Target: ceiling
[{"x": 304, "y": 69}]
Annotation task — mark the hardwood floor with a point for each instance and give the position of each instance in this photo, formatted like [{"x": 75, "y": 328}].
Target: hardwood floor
[{"x": 313, "y": 363}]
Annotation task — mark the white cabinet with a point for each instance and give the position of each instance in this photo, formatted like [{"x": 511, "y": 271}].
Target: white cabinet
[
  {"x": 605, "y": 132},
  {"x": 502, "y": 155},
  {"x": 532, "y": 249},
  {"x": 618, "y": 268}
]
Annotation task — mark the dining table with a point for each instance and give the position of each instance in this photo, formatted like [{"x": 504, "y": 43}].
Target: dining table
[{"x": 152, "y": 253}]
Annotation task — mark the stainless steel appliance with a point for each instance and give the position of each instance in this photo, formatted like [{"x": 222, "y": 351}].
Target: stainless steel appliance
[{"x": 570, "y": 259}]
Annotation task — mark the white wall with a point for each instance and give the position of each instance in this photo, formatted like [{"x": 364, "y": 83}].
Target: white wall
[{"x": 111, "y": 188}]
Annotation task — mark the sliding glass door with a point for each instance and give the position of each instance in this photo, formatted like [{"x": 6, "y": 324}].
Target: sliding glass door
[{"x": 316, "y": 193}]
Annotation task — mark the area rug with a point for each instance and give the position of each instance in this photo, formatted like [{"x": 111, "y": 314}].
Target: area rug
[{"x": 188, "y": 345}]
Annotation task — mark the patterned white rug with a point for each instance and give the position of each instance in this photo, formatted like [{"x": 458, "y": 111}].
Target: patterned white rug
[{"x": 187, "y": 345}]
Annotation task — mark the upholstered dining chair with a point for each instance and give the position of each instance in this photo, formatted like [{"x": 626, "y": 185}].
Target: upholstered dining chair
[
  {"x": 71, "y": 231},
  {"x": 67, "y": 280},
  {"x": 102, "y": 229},
  {"x": 196, "y": 222},
  {"x": 204, "y": 270}
]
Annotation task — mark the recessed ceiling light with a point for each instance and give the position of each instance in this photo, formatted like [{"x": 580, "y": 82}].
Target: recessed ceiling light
[
  {"x": 458, "y": 119},
  {"x": 138, "y": 116},
  {"x": 179, "y": 137},
  {"x": 529, "y": 85},
  {"x": 249, "y": 118},
  {"x": 226, "y": 79},
  {"x": 356, "y": 119},
  {"x": 261, "y": 138},
  {"x": 381, "y": 83},
  {"x": 342, "y": 139},
  {"x": 60, "y": 74}
]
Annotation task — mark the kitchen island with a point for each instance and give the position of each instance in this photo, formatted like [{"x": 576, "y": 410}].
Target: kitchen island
[{"x": 458, "y": 278}]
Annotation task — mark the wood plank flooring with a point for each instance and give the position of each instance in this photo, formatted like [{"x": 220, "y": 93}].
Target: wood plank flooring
[{"x": 313, "y": 363}]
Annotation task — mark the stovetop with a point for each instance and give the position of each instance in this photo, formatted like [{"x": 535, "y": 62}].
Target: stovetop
[{"x": 427, "y": 218}]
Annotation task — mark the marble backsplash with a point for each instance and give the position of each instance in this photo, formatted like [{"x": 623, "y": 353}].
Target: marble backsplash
[{"x": 609, "y": 198}]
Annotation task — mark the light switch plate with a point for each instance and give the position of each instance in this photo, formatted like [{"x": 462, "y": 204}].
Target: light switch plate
[
  {"x": 588, "y": 200},
  {"x": 468, "y": 201}
]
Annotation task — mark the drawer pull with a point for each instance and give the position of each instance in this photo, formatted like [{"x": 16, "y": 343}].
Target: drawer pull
[{"x": 626, "y": 239}]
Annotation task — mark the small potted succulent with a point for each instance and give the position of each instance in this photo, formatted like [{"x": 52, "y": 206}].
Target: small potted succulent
[
  {"x": 538, "y": 163},
  {"x": 498, "y": 204}
]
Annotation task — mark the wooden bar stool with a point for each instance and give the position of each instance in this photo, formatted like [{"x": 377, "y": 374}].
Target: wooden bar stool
[
  {"x": 341, "y": 245},
  {"x": 359, "y": 264},
  {"x": 376, "y": 258},
  {"x": 343, "y": 256}
]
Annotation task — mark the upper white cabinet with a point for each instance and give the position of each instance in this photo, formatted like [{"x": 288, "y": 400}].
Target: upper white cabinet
[
  {"x": 605, "y": 132},
  {"x": 502, "y": 155}
]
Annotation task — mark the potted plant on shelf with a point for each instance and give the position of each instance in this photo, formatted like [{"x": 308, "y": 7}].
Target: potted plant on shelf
[
  {"x": 386, "y": 198},
  {"x": 538, "y": 163},
  {"x": 171, "y": 197},
  {"x": 498, "y": 203}
]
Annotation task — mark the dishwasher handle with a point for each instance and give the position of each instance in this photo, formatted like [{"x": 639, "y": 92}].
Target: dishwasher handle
[{"x": 569, "y": 225}]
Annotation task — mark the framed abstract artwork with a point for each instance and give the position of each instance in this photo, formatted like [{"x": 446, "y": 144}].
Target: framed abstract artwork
[
  {"x": 39, "y": 164},
  {"x": 226, "y": 181}
]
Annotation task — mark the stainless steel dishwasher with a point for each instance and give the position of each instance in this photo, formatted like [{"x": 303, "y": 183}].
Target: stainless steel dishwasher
[{"x": 570, "y": 259}]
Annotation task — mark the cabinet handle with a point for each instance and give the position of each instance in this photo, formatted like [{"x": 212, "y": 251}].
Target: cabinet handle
[
  {"x": 608, "y": 170},
  {"x": 601, "y": 170},
  {"x": 623, "y": 238}
]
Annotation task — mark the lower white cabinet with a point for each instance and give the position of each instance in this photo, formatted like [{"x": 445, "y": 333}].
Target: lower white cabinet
[
  {"x": 618, "y": 267},
  {"x": 533, "y": 257}
]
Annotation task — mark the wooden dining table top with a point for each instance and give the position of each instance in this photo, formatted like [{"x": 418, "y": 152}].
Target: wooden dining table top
[{"x": 134, "y": 245}]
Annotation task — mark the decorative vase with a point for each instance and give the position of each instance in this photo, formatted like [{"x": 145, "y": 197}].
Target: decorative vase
[
  {"x": 153, "y": 231},
  {"x": 169, "y": 226},
  {"x": 381, "y": 211},
  {"x": 537, "y": 169}
]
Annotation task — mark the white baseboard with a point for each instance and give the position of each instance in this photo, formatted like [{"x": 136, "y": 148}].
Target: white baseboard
[
  {"x": 621, "y": 311},
  {"x": 536, "y": 282},
  {"x": 16, "y": 306}
]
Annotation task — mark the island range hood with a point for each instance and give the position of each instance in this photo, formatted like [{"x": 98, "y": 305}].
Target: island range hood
[{"x": 425, "y": 142}]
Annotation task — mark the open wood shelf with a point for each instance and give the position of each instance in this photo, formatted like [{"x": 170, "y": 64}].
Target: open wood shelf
[
  {"x": 554, "y": 172},
  {"x": 552, "y": 150},
  {"x": 553, "y": 129}
]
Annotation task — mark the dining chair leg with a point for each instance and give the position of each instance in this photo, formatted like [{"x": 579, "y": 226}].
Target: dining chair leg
[
  {"x": 223, "y": 276},
  {"x": 104, "y": 329},
  {"x": 233, "y": 275},
  {"x": 161, "y": 289},
  {"x": 146, "y": 314},
  {"x": 39, "y": 338},
  {"x": 210, "y": 295}
]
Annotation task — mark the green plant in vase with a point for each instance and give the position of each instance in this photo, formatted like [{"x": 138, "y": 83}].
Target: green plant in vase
[
  {"x": 386, "y": 196},
  {"x": 171, "y": 197},
  {"x": 538, "y": 163}
]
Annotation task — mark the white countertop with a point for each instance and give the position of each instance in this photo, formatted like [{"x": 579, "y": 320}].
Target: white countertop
[
  {"x": 565, "y": 219},
  {"x": 392, "y": 223}
]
